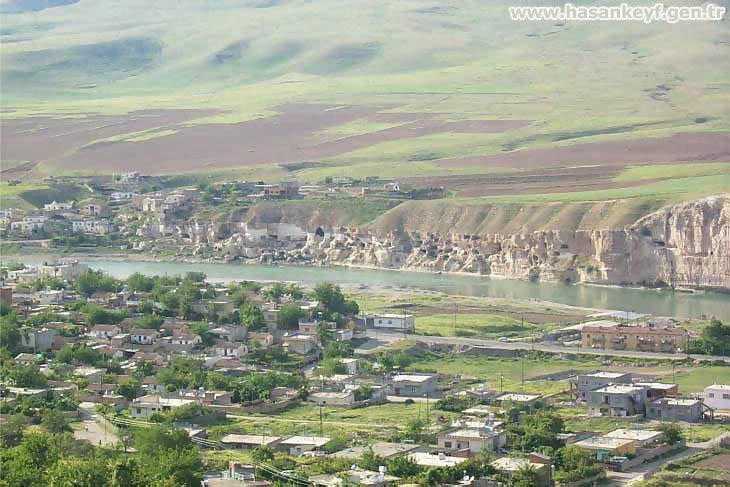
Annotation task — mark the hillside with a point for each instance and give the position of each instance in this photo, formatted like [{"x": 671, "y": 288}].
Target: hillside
[{"x": 451, "y": 94}]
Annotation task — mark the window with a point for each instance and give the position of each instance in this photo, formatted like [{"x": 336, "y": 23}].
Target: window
[
  {"x": 447, "y": 444},
  {"x": 711, "y": 394},
  {"x": 726, "y": 396},
  {"x": 139, "y": 410}
]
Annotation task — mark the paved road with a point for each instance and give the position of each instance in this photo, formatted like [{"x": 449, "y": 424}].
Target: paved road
[
  {"x": 388, "y": 336},
  {"x": 95, "y": 429}
]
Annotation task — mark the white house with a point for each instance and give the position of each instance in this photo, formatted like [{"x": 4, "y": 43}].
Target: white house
[
  {"x": 401, "y": 322},
  {"x": 718, "y": 396},
  {"x": 55, "y": 206},
  {"x": 230, "y": 349},
  {"x": 122, "y": 195},
  {"x": 146, "y": 406},
  {"x": 144, "y": 336}
]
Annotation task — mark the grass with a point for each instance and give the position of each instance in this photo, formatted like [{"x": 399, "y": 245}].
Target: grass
[
  {"x": 657, "y": 171},
  {"x": 697, "y": 378},
  {"x": 35, "y": 195},
  {"x": 483, "y": 325}
]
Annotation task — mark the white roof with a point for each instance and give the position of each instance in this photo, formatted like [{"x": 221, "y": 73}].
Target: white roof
[
  {"x": 656, "y": 385},
  {"x": 511, "y": 464},
  {"x": 619, "y": 389},
  {"x": 412, "y": 377},
  {"x": 603, "y": 442},
  {"x": 607, "y": 375},
  {"x": 629, "y": 434},
  {"x": 393, "y": 315},
  {"x": 518, "y": 397},
  {"x": 429, "y": 460},
  {"x": 722, "y": 387},
  {"x": 677, "y": 402},
  {"x": 306, "y": 440},
  {"x": 250, "y": 439}
]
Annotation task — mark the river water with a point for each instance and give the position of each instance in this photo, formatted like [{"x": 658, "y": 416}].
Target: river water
[{"x": 656, "y": 302}]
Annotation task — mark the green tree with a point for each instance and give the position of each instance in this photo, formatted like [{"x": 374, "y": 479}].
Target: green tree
[
  {"x": 332, "y": 366},
  {"x": 525, "y": 476},
  {"x": 404, "y": 467},
  {"x": 289, "y": 316},
  {"x": 262, "y": 454},
  {"x": 716, "y": 338},
  {"x": 671, "y": 433},
  {"x": 27, "y": 376},
  {"x": 11, "y": 431},
  {"x": 53, "y": 421},
  {"x": 129, "y": 389},
  {"x": 9, "y": 332},
  {"x": 252, "y": 316}
]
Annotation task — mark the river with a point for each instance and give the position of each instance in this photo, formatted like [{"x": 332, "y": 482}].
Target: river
[{"x": 656, "y": 302}]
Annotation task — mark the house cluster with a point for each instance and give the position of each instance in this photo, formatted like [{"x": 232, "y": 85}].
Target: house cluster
[
  {"x": 89, "y": 216},
  {"x": 617, "y": 394}
]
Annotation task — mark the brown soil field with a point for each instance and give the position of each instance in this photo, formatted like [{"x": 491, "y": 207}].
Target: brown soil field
[
  {"x": 681, "y": 147},
  {"x": 550, "y": 180},
  {"x": 41, "y": 139},
  {"x": 290, "y": 136},
  {"x": 717, "y": 462}
]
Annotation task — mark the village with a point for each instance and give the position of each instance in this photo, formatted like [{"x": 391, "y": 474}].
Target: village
[{"x": 275, "y": 382}]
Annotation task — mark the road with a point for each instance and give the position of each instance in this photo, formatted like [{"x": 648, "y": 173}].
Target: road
[
  {"x": 389, "y": 336},
  {"x": 94, "y": 428}
]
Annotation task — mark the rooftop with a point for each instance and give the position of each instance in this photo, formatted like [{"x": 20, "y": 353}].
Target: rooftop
[
  {"x": 429, "y": 460},
  {"x": 250, "y": 439},
  {"x": 630, "y": 434},
  {"x": 607, "y": 375},
  {"x": 677, "y": 402},
  {"x": 620, "y": 389},
  {"x": 512, "y": 464},
  {"x": 722, "y": 387},
  {"x": 306, "y": 440},
  {"x": 413, "y": 377},
  {"x": 518, "y": 397},
  {"x": 603, "y": 442},
  {"x": 656, "y": 385}
]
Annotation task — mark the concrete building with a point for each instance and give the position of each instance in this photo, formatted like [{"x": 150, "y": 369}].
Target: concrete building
[
  {"x": 440, "y": 459},
  {"x": 617, "y": 400},
  {"x": 590, "y": 382},
  {"x": 642, "y": 438},
  {"x": 400, "y": 322},
  {"x": 146, "y": 406},
  {"x": 519, "y": 399},
  {"x": 144, "y": 336},
  {"x": 415, "y": 385},
  {"x": 332, "y": 398},
  {"x": 296, "y": 445},
  {"x": 510, "y": 465},
  {"x": 249, "y": 442},
  {"x": 37, "y": 339},
  {"x": 474, "y": 440},
  {"x": 604, "y": 447},
  {"x": 717, "y": 396},
  {"x": 301, "y": 344},
  {"x": 95, "y": 227},
  {"x": 658, "y": 390},
  {"x": 105, "y": 332},
  {"x": 382, "y": 449},
  {"x": 636, "y": 338},
  {"x": 6, "y": 296},
  {"x": 676, "y": 409}
]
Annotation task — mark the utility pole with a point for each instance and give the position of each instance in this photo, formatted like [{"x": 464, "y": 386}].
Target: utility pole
[
  {"x": 321, "y": 428},
  {"x": 501, "y": 383},
  {"x": 427, "y": 412},
  {"x": 523, "y": 371}
]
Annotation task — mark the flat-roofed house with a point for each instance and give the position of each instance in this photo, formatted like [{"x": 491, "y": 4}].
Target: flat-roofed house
[
  {"x": 472, "y": 439},
  {"x": 658, "y": 390},
  {"x": 296, "y": 445},
  {"x": 637, "y": 338},
  {"x": 641, "y": 437},
  {"x": 617, "y": 400},
  {"x": 717, "y": 396},
  {"x": 415, "y": 385},
  {"x": 332, "y": 398},
  {"x": 590, "y": 382},
  {"x": 676, "y": 409},
  {"x": 144, "y": 336},
  {"x": 401, "y": 322},
  {"x": 604, "y": 447},
  {"x": 249, "y": 442},
  {"x": 510, "y": 465},
  {"x": 521, "y": 399},
  {"x": 146, "y": 406}
]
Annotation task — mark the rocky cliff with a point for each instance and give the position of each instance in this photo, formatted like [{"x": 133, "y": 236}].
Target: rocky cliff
[{"x": 685, "y": 245}]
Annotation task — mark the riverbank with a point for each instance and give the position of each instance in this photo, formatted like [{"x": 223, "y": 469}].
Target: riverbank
[{"x": 649, "y": 301}]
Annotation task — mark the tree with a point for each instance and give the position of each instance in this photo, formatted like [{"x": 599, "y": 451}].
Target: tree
[
  {"x": 414, "y": 429},
  {"x": 671, "y": 433},
  {"x": 525, "y": 476},
  {"x": 324, "y": 334},
  {"x": 252, "y": 316},
  {"x": 331, "y": 300},
  {"x": 404, "y": 467},
  {"x": 289, "y": 316},
  {"x": 129, "y": 389},
  {"x": 149, "y": 441},
  {"x": 275, "y": 292},
  {"x": 53, "y": 421},
  {"x": 9, "y": 332},
  {"x": 716, "y": 338},
  {"x": 262, "y": 454},
  {"x": 11, "y": 431},
  {"x": 27, "y": 376}
]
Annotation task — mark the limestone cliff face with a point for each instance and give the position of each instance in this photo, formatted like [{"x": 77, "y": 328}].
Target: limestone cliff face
[{"x": 686, "y": 245}]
